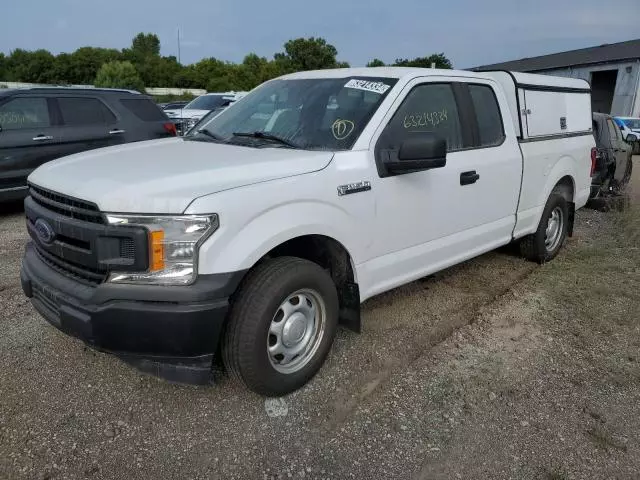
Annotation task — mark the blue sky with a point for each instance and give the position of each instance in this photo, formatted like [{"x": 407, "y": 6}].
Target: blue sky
[{"x": 469, "y": 32}]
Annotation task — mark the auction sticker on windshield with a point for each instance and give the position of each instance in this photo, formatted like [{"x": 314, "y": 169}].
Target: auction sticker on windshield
[{"x": 367, "y": 85}]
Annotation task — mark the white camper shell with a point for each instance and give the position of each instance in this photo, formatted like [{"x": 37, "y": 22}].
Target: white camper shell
[{"x": 545, "y": 106}]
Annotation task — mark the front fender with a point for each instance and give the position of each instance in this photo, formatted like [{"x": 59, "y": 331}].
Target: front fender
[{"x": 233, "y": 248}]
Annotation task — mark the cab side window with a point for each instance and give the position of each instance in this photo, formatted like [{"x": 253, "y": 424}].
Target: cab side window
[
  {"x": 429, "y": 109},
  {"x": 24, "y": 112},
  {"x": 485, "y": 104}
]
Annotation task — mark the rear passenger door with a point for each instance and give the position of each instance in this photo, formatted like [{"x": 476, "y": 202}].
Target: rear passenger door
[
  {"x": 621, "y": 149},
  {"x": 431, "y": 219},
  {"x": 28, "y": 138},
  {"x": 88, "y": 123}
]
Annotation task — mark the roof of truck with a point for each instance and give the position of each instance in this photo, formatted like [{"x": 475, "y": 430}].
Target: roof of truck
[
  {"x": 401, "y": 72},
  {"x": 388, "y": 72}
]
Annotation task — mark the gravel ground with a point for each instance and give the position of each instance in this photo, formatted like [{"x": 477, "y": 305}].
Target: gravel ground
[{"x": 496, "y": 368}]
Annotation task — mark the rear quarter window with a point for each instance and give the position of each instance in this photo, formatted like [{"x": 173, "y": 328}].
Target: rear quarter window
[
  {"x": 144, "y": 109},
  {"x": 488, "y": 115}
]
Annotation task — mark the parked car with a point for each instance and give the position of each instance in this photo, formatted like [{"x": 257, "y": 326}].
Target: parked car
[
  {"x": 187, "y": 116},
  {"x": 258, "y": 233},
  {"x": 612, "y": 157},
  {"x": 629, "y": 126},
  {"x": 172, "y": 105},
  {"x": 41, "y": 124}
]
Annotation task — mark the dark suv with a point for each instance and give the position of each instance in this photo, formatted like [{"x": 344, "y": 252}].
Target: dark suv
[
  {"x": 41, "y": 124},
  {"x": 611, "y": 159}
]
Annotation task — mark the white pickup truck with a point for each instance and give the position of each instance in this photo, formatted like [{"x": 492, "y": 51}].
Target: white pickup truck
[{"x": 251, "y": 239}]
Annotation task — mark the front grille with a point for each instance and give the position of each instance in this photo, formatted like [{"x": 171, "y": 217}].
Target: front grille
[
  {"x": 67, "y": 206},
  {"x": 82, "y": 246},
  {"x": 82, "y": 274}
]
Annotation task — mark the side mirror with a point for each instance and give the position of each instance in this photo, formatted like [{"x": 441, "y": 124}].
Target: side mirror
[
  {"x": 632, "y": 138},
  {"x": 418, "y": 153}
]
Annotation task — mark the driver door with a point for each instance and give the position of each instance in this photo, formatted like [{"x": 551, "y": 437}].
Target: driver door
[{"x": 428, "y": 220}]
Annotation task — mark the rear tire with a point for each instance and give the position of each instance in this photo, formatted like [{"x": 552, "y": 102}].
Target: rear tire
[
  {"x": 543, "y": 245},
  {"x": 281, "y": 325}
]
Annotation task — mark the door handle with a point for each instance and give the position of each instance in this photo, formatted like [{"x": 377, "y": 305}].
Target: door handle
[
  {"x": 115, "y": 131},
  {"x": 467, "y": 178},
  {"x": 42, "y": 138}
]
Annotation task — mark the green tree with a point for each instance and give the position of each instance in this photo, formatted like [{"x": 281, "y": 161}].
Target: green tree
[
  {"x": 159, "y": 71},
  {"x": 145, "y": 45},
  {"x": 3, "y": 67},
  {"x": 208, "y": 70},
  {"x": 307, "y": 54},
  {"x": 186, "y": 78},
  {"x": 439, "y": 59},
  {"x": 32, "y": 67},
  {"x": 376, "y": 62},
  {"x": 119, "y": 75},
  {"x": 62, "y": 68},
  {"x": 83, "y": 64}
]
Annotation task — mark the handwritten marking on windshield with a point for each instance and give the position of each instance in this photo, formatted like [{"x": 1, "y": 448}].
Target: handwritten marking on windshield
[
  {"x": 341, "y": 129},
  {"x": 424, "y": 119}
]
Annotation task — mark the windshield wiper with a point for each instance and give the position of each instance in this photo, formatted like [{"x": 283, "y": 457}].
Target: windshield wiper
[
  {"x": 209, "y": 134},
  {"x": 267, "y": 136}
]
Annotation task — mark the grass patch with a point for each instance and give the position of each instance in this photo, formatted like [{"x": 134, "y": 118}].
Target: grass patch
[
  {"x": 604, "y": 440},
  {"x": 557, "y": 475}
]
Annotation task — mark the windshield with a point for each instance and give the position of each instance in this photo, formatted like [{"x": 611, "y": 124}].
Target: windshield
[
  {"x": 207, "y": 102},
  {"x": 312, "y": 114},
  {"x": 632, "y": 123}
]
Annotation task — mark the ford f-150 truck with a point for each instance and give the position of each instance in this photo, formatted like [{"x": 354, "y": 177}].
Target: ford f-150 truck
[{"x": 252, "y": 238}]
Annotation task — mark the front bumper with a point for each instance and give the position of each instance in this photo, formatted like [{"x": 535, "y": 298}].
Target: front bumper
[{"x": 172, "y": 332}]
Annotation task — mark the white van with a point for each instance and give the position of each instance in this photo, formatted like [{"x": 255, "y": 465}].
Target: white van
[{"x": 257, "y": 234}]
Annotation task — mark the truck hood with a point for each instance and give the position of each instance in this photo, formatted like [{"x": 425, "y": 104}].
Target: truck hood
[
  {"x": 186, "y": 113},
  {"x": 165, "y": 176}
]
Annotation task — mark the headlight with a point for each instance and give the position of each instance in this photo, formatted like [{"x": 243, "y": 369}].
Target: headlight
[
  {"x": 191, "y": 122},
  {"x": 173, "y": 247}
]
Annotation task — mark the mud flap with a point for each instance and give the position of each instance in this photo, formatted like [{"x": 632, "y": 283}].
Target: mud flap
[
  {"x": 572, "y": 217},
  {"x": 349, "y": 297}
]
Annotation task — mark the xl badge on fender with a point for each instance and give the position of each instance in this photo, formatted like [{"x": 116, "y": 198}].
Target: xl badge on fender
[{"x": 354, "y": 188}]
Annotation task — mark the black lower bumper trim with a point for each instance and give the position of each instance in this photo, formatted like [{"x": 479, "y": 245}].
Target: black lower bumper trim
[
  {"x": 176, "y": 338},
  {"x": 191, "y": 370}
]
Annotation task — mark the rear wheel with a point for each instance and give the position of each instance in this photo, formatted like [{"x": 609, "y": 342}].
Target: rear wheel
[
  {"x": 281, "y": 326},
  {"x": 546, "y": 242}
]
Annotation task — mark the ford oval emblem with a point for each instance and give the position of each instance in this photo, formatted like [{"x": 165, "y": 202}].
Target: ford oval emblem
[{"x": 45, "y": 233}]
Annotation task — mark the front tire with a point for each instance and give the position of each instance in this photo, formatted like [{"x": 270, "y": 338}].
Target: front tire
[
  {"x": 281, "y": 325},
  {"x": 543, "y": 245}
]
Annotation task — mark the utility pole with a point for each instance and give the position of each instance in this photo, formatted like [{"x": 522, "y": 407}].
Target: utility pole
[{"x": 178, "y": 44}]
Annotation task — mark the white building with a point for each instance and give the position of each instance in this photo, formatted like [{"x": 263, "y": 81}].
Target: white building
[{"x": 613, "y": 70}]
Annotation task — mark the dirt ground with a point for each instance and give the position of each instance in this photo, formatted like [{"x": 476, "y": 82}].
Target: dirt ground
[{"x": 496, "y": 368}]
